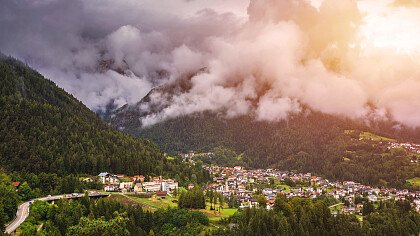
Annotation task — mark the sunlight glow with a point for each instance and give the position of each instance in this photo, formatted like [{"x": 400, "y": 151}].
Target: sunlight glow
[{"x": 396, "y": 30}]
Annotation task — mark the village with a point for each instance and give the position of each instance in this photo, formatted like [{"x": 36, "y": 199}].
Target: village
[
  {"x": 137, "y": 184},
  {"x": 244, "y": 185}
]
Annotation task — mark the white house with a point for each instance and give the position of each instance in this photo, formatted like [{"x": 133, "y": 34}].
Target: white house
[
  {"x": 373, "y": 198},
  {"x": 169, "y": 185},
  {"x": 138, "y": 187},
  {"x": 107, "y": 178},
  {"x": 151, "y": 186},
  {"x": 126, "y": 185}
]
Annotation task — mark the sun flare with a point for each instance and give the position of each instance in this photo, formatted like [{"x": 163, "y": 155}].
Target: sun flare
[{"x": 395, "y": 30}]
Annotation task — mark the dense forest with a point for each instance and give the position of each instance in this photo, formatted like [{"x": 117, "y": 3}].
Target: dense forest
[
  {"x": 45, "y": 129},
  {"x": 9, "y": 200},
  {"x": 298, "y": 216},
  {"x": 110, "y": 217},
  {"x": 312, "y": 142},
  {"x": 295, "y": 216}
]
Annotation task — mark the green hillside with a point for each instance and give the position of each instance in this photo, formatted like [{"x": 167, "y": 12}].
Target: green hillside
[
  {"x": 45, "y": 129},
  {"x": 315, "y": 142}
]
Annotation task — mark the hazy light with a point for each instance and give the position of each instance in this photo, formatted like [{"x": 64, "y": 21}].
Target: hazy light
[{"x": 393, "y": 29}]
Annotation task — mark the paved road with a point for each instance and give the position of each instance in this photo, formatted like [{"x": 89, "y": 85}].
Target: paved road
[
  {"x": 21, "y": 215},
  {"x": 23, "y": 210}
]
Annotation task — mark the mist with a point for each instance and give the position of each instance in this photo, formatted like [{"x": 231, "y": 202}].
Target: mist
[{"x": 264, "y": 58}]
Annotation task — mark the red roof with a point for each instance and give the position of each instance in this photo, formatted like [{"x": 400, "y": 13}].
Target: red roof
[
  {"x": 161, "y": 193},
  {"x": 15, "y": 184}
]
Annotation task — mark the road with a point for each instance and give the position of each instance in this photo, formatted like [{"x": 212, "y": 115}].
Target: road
[
  {"x": 23, "y": 210},
  {"x": 21, "y": 215}
]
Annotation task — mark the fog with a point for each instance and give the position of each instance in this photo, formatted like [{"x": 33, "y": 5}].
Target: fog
[{"x": 266, "y": 58}]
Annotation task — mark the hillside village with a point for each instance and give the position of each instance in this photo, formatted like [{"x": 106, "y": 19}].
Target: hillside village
[
  {"x": 137, "y": 183},
  {"x": 243, "y": 185}
]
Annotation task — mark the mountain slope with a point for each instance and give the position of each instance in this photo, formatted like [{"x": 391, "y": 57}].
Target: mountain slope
[
  {"x": 307, "y": 142},
  {"x": 44, "y": 129}
]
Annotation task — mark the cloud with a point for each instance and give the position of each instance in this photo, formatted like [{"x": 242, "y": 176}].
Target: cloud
[
  {"x": 265, "y": 58},
  {"x": 81, "y": 44}
]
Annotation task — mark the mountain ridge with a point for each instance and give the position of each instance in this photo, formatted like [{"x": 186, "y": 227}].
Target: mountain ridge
[
  {"x": 45, "y": 129},
  {"x": 308, "y": 142}
]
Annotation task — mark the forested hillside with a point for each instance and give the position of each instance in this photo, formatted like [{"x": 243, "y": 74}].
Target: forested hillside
[
  {"x": 45, "y": 129},
  {"x": 311, "y": 142}
]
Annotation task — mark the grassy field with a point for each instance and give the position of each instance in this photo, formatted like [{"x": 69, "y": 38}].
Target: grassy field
[
  {"x": 215, "y": 216},
  {"x": 124, "y": 199},
  {"x": 414, "y": 181},
  {"x": 374, "y": 137},
  {"x": 359, "y": 217},
  {"x": 369, "y": 136},
  {"x": 155, "y": 202}
]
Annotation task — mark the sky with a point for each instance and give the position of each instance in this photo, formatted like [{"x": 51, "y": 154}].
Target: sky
[{"x": 265, "y": 58}]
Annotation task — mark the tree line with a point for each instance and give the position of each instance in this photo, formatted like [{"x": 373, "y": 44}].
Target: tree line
[
  {"x": 109, "y": 217},
  {"x": 298, "y": 216},
  {"x": 310, "y": 142},
  {"x": 45, "y": 129}
]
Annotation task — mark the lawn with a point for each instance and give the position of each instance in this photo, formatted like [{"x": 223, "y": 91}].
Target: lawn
[
  {"x": 218, "y": 215},
  {"x": 124, "y": 199},
  {"x": 359, "y": 217},
  {"x": 414, "y": 181},
  {"x": 374, "y": 137},
  {"x": 156, "y": 202},
  {"x": 284, "y": 187}
]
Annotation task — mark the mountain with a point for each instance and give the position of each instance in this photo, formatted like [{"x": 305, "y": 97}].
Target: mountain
[
  {"x": 45, "y": 129},
  {"x": 333, "y": 146}
]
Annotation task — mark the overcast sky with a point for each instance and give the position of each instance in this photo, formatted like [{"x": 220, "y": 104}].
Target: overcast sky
[{"x": 267, "y": 58}]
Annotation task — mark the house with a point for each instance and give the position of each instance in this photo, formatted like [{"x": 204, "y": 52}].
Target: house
[
  {"x": 138, "y": 187},
  {"x": 169, "y": 185},
  {"x": 120, "y": 176},
  {"x": 270, "y": 204},
  {"x": 254, "y": 202},
  {"x": 267, "y": 191},
  {"x": 151, "y": 186},
  {"x": 107, "y": 178},
  {"x": 126, "y": 185},
  {"x": 103, "y": 176},
  {"x": 15, "y": 184},
  {"x": 372, "y": 198},
  {"x": 110, "y": 188},
  {"x": 190, "y": 186},
  {"x": 138, "y": 178},
  {"x": 237, "y": 168},
  {"x": 161, "y": 194}
]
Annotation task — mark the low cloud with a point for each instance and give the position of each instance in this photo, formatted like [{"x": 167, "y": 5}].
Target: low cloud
[{"x": 266, "y": 58}]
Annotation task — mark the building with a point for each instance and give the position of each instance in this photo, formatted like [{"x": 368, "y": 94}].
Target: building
[
  {"x": 138, "y": 187},
  {"x": 107, "y": 178},
  {"x": 169, "y": 185},
  {"x": 151, "y": 186},
  {"x": 126, "y": 185},
  {"x": 161, "y": 194},
  {"x": 373, "y": 198},
  {"x": 15, "y": 184},
  {"x": 110, "y": 188}
]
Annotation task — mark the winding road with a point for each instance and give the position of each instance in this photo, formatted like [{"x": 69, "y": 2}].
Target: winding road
[{"x": 23, "y": 210}]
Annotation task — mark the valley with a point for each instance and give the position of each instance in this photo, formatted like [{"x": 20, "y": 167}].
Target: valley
[{"x": 215, "y": 176}]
